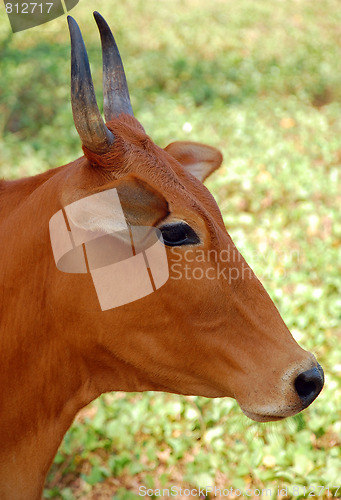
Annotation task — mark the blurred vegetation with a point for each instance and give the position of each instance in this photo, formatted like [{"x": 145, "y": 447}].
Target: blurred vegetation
[{"x": 261, "y": 81}]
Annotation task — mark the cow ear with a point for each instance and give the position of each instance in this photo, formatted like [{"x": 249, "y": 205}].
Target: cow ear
[
  {"x": 198, "y": 159},
  {"x": 127, "y": 201}
]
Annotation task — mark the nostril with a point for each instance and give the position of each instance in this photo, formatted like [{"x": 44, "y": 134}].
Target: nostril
[
  {"x": 304, "y": 387},
  {"x": 309, "y": 384}
]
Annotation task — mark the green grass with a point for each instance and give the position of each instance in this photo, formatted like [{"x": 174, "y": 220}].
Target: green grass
[{"x": 261, "y": 81}]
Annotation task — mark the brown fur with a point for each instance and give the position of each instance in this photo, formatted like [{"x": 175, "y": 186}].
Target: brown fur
[{"x": 59, "y": 351}]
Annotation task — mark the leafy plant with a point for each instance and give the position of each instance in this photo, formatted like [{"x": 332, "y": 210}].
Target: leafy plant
[{"x": 261, "y": 81}]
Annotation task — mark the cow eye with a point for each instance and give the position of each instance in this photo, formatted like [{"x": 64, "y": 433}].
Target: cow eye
[{"x": 178, "y": 233}]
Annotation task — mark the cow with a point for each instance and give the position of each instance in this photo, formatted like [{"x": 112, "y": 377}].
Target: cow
[{"x": 213, "y": 337}]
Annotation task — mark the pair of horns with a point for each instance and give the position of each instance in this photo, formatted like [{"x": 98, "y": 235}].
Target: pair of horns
[{"x": 89, "y": 123}]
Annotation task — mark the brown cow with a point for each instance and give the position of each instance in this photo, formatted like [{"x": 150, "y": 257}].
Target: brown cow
[{"x": 59, "y": 349}]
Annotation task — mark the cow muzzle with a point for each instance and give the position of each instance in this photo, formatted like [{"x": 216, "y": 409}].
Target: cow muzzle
[{"x": 302, "y": 390}]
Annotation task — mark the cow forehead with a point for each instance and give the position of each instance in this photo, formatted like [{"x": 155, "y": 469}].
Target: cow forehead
[{"x": 134, "y": 152}]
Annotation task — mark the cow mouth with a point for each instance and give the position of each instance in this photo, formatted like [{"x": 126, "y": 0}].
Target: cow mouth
[{"x": 260, "y": 417}]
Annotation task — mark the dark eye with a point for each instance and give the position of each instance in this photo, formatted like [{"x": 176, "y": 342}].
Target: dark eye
[{"x": 178, "y": 233}]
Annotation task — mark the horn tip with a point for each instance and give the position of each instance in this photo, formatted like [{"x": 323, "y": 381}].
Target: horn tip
[
  {"x": 72, "y": 23},
  {"x": 97, "y": 15}
]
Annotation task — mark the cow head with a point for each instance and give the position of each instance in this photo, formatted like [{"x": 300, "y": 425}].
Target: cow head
[{"x": 210, "y": 329}]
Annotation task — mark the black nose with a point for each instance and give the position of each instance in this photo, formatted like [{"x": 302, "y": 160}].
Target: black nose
[{"x": 309, "y": 385}]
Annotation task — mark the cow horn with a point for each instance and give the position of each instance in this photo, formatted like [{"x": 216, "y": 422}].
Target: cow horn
[
  {"x": 89, "y": 123},
  {"x": 115, "y": 88}
]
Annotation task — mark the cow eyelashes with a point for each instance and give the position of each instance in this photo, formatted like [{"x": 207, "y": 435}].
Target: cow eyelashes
[{"x": 178, "y": 234}]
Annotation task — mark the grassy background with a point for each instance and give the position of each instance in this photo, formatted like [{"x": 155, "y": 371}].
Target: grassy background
[{"x": 261, "y": 81}]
